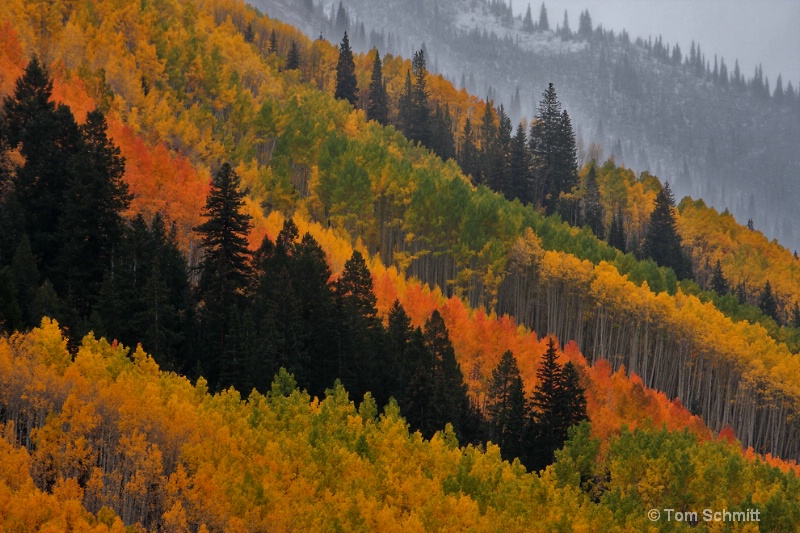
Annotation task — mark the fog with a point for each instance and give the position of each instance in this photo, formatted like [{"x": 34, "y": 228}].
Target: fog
[{"x": 752, "y": 31}]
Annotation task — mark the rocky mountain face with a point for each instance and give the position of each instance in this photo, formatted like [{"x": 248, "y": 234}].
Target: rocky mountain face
[{"x": 695, "y": 121}]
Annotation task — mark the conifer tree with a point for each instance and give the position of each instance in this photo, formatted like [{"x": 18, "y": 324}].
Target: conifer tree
[
  {"x": 593, "y": 208},
  {"x": 395, "y": 369},
  {"x": 507, "y": 408},
  {"x": 450, "y": 401},
  {"x": 662, "y": 243},
  {"x": 547, "y": 413},
  {"x": 346, "y": 83},
  {"x": 718, "y": 282},
  {"x": 519, "y": 167},
  {"x": 293, "y": 57},
  {"x": 544, "y": 25},
  {"x": 359, "y": 327},
  {"x": 768, "y": 303},
  {"x": 91, "y": 224},
  {"x": 225, "y": 271},
  {"x": 527, "y": 22},
  {"x": 420, "y": 109},
  {"x": 273, "y": 43},
  {"x": 795, "y": 322},
  {"x": 573, "y": 399},
  {"x": 468, "y": 155},
  {"x": 378, "y": 100},
  {"x": 616, "y": 233},
  {"x": 249, "y": 34}
]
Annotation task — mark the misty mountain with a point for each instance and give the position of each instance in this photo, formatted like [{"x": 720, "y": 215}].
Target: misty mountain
[{"x": 701, "y": 124}]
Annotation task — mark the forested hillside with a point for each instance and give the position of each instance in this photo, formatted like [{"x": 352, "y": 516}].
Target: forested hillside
[
  {"x": 246, "y": 203},
  {"x": 686, "y": 115}
]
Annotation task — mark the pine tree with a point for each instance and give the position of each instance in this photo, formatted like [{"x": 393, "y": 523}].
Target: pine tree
[
  {"x": 553, "y": 152},
  {"x": 507, "y": 407},
  {"x": 593, "y": 207},
  {"x": 359, "y": 327},
  {"x": 346, "y": 83},
  {"x": 795, "y": 322},
  {"x": 616, "y": 233},
  {"x": 249, "y": 34},
  {"x": 573, "y": 399},
  {"x": 544, "y": 25},
  {"x": 273, "y": 43},
  {"x": 405, "y": 113},
  {"x": 468, "y": 155},
  {"x": 527, "y": 22},
  {"x": 547, "y": 414},
  {"x": 225, "y": 271},
  {"x": 718, "y": 282},
  {"x": 378, "y": 100},
  {"x": 489, "y": 140},
  {"x": 662, "y": 243},
  {"x": 420, "y": 109},
  {"x": 450, "y": 401},
  {"x": 395, "y": 369},
  {"x": 293, "y": 57},
  {"x": 91, "y": 224},
  {"x": 768, "y": 303},
  {"x": 519, "y": 167}
]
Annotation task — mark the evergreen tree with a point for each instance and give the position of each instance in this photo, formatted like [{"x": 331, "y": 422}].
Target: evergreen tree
[
  {"x": 593, "y": 207},
  {"x": 662, "y": 243},
  {"x": 417, "y": 402},
  {"x": 616, "y": 233},
  {"x": 442, "y": 142},
  {"x": 468, "y": 155},
  {"x": 553, "y": 152},
  {"x": 346, "y": 84},
  {"x": 293, "y": 57},
  {"x": 544, "y": 25},
  {"x": 795, "y": 322},
  {"x": 405, "y": 106},
  {"x": 249, "y": 34},
  {"x": 489, "y": 141},
  {"x": 527, "y": 22},
  {"x": 395, "y": 368},
  {"x": 378, "y": 100},
  {"x": 420, "y": 109},
  {"x": 507, "y": 408},
  {"x": 718, "y": 282},
  {"x": 547, "y": 413},
  {"x": 224, "y": 271},
  {"x": 768, "y": 303},
  {"x": 359, "y": 327},
  {"x": 502, "y": 151},
  {"x": 585, "y": 25},
  {"x": 273, "y": 43},
  {"x": 573, "y": 399},
  {"x": 519, "y": 167},
  {"x": 91, "y": 224},
  {"x": 450, "y": 403}
]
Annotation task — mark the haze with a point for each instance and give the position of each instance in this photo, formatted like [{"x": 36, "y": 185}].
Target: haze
[{"x": 755, "y": 32}]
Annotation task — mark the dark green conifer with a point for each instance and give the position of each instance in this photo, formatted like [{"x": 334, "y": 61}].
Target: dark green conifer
[
  {"x": 768, "y": 303},
  {"x": 346, "y": 83},
  {"x": 594, "y": 216},
  {"x": 225, "y": 271},
  {"x": 718, "y": 282},
  {"x": 507, "y": 408},
  {"x": 378, "y": 100},
  {"x": 616, "y": 233},
  {"x": 293, "y": 57},
  {"x": 662, "y": 243}
]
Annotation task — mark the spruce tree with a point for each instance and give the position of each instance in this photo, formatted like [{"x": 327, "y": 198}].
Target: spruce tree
[
  {"x": 489, "y": 141},
  {"x": 346, "y": 83},
  {"x": 795, "y": 322},
  {"x": 293, "y": 57},
  {"x": 616, "y": 233},
  {"x": 420, "y": 109},
  {"x": 249, "y": 34},
  {"x": 662, "y": 243},
  {"x": 225, "y": 271},
  {"x": 594, "y": 216},
  {"x": 573, "y": 399},
  {"x": 519, "y": 167},
  {"x": 507, "y": 408},
  {"x": 358, "y": 327},
  {"x": 273, "y": 43},
  {"x": 378, "y": 100},
  {"x": 718, "y": 282},
  {"x": 450, "y": 402},
  {"x": 395, "y": 369},
  {"x": 527, "y": 22},
  {"x": 468, "y": 155},
  {"x": 768, "y": 303},
  {"x": 91, "y": 224},
  {"x": 544, "y": 25},
  {"x": 547, "y": 412}
]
